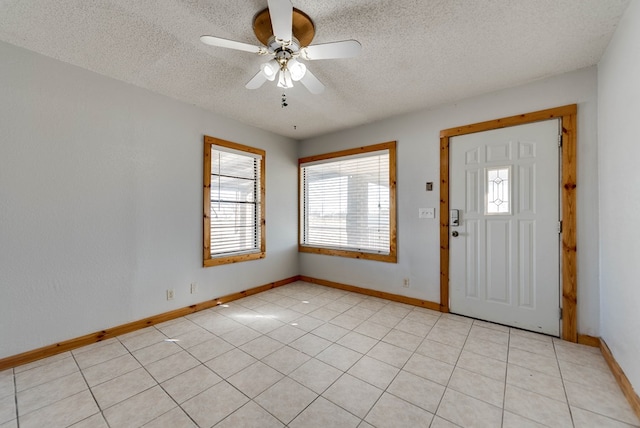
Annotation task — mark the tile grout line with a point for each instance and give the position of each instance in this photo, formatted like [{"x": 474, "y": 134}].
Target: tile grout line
[
  {"x": 90, "y": 391},
  {"x": 15, "y": 395}
]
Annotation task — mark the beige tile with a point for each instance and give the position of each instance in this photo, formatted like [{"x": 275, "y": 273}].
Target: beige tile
[
  {"x": 171, "y": 366},
  {"x": 286, "y": 359},
  {"x": 215, "y": 404},
  {"x": 143, "y": 339},
  {"x": 489, "y": 349},
  {"x": 100, "y": 355},
  {"x": 45, "y": 361},
  {"x": 190, "y": 383},
  {"x": 587, "y": 375},
  {"x": 210, "y": 349},
  {"x": 373, "y": 303},
  {"x": 116, "y": 390},
  {"x": 458, "y": 318},
  {"x": 48, "y": 393},
  {"x": 7, "y": 383},
  {"x": 357, "y": 342},
  {"x": 95, "y": 421},
  {"x": 489, "y": 335},
  {"x": 540, "y": 383},
  {"x": 265, "y": 325},
  {"x": 372, "y": 329},
  {"x": 384, "y": 319},
  {"x": 389, "y": 354},
  {"x": 307, "y": 323},
  {"x": 250, "y": 416},
  {"x": 339, "y": 357},
  {"x": 429, "y": 368},
  {"x": 230, "y": 363},
  {"x": 353, "y": 395},
  {"x": 45, "y": 373},
  {"x": 374, "y": 372},
  {"x": 534, "y": 362},
  {"x": 286, "y": 399},
  {"x": 346, "y": 321},
  {"x": 396, "y": 310},
  {"x": 310, "y": 344},
  {"x": 316, "y": 375},
  {"x": 485, "y": 366},
  {"x": 545, "y": 349},
  {"x": 194, "y": 337},
  {"x": 608, "y": 402},
  {"x": 454, "y": 325},
  {"x": 61, "y": 413},
  {"x": 7, "y": 409},
  {"x": 417, "y": 390},
  {"x": 360, "y": 312},
  {"x": 220, "y": 326},
  {"x": 424, "y": 318},
  {"x": 156, "y": 352},
  {"x": 468, "y": 412},
  {"x": 439, "y": 351},
  {"x": 536, "y": 407},
  {"x": 240, "y": 336},
  {"x": 490, "y": 325},
  {"x": 111, "y": 369},
  {"x": 324, "y": 314},
  {"x": 477, "y": 386},
  {"x": 175, "y": 417},
  {"x": 139, "y": 409},
  {"x": 438, "y": 422},
  {"x": 447, "y": 337},
  {"x": 530, "y": 335},
  {"x": 323, "y": 414},
  {"x": 392, "y": 412},
  {"x": 511, "y": 420},
  {"x": 581, "y": 355},
  {"x": 330, "y": 332},
  {"x": 413, "y": 327},
  {"x": 286, "y": 334},
  {"x": 585, "y": 419},
  {"x": 255, "y": 379},
  {"x": 177, "y": 327},
  {"x": 402, "y": 339}
]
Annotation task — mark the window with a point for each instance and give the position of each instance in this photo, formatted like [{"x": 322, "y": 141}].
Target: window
[
  {"x": 348, "y": 203},
  {"x": 233, "y": 202}
]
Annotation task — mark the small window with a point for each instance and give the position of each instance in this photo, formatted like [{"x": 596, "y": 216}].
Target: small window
[
  {"x": 348, "y": 203},
  {"x": 233, "y": 202},
  {"x": 498, "y": 200}
]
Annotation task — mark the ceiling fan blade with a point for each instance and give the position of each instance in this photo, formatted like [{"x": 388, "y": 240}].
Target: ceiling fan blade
[
  {"x": 312, "y": 83},
  {"x": 230, "y": 44},
  {"x": 333, "y": 50},
  {"x": 281, "y": 12},
  {"x": 256, "y": 81}
]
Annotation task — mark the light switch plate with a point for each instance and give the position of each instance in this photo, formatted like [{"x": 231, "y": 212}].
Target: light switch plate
[{"x": 426, "y": 213}]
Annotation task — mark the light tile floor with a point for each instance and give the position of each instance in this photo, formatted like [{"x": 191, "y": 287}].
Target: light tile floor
[{"x": 308, "y": 356}]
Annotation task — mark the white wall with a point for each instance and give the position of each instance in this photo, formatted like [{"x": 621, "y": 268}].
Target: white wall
[
  {"x": 619, "y": 153},
  {"x": 101, "y": 203},
  {"x": 419, "y": 161}
]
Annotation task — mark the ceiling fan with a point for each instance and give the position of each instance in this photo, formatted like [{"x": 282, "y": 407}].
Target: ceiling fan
[{"x": 286, "y": 33}]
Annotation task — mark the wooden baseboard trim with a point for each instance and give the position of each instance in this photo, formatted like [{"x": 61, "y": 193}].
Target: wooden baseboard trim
[
  {"x": 381, "y": 294},
  {"x": 584, "y": 339},
  {"x": 621, "y": 378},
  {"x": 68, "y": 345}
]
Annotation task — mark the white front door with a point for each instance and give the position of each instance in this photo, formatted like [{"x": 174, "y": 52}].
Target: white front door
[{"x": 504, "y": 254}]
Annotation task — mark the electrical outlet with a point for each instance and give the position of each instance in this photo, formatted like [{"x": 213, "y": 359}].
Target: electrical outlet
[
  {"x": 194, "y": 288},
  {"x": 170, "y": 294},
  {"x": 426, "y": 213},
  {"x": 406, "y": 282}
]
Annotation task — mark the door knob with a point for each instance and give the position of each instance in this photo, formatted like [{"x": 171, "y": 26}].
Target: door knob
[{"x": 455, "y": 234}]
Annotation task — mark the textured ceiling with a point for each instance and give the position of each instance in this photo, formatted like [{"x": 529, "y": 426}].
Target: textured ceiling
[{"x": 415, "y": 53}]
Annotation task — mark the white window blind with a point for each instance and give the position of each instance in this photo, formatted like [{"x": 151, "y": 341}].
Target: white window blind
[
  {"x": 345, "y": 203},
  {"x": 235, "y": 202}
]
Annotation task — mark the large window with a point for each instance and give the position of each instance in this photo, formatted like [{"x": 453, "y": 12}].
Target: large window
[
  {"x": 348, "y": 203},
  {"x": 233, "y": 202}
]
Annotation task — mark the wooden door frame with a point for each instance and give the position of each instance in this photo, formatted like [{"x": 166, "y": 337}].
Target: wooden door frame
[{"x": 568, "y": 251}]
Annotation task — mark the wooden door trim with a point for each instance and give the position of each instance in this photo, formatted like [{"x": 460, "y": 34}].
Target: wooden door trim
[{"x": 568, "y": 251}]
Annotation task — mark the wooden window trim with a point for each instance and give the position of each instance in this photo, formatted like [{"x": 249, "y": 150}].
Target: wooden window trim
[
  {"x": 568, "y": 251},
  {"x": 207, "y": 260},
  {"x": 392, "y": 256}
]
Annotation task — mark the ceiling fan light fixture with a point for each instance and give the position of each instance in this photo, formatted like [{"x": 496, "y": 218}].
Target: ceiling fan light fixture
[
  {"x": 270, "y": 69},
  {"x": 284, "y": 79},
  {"x": 297, "y": 69}
]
